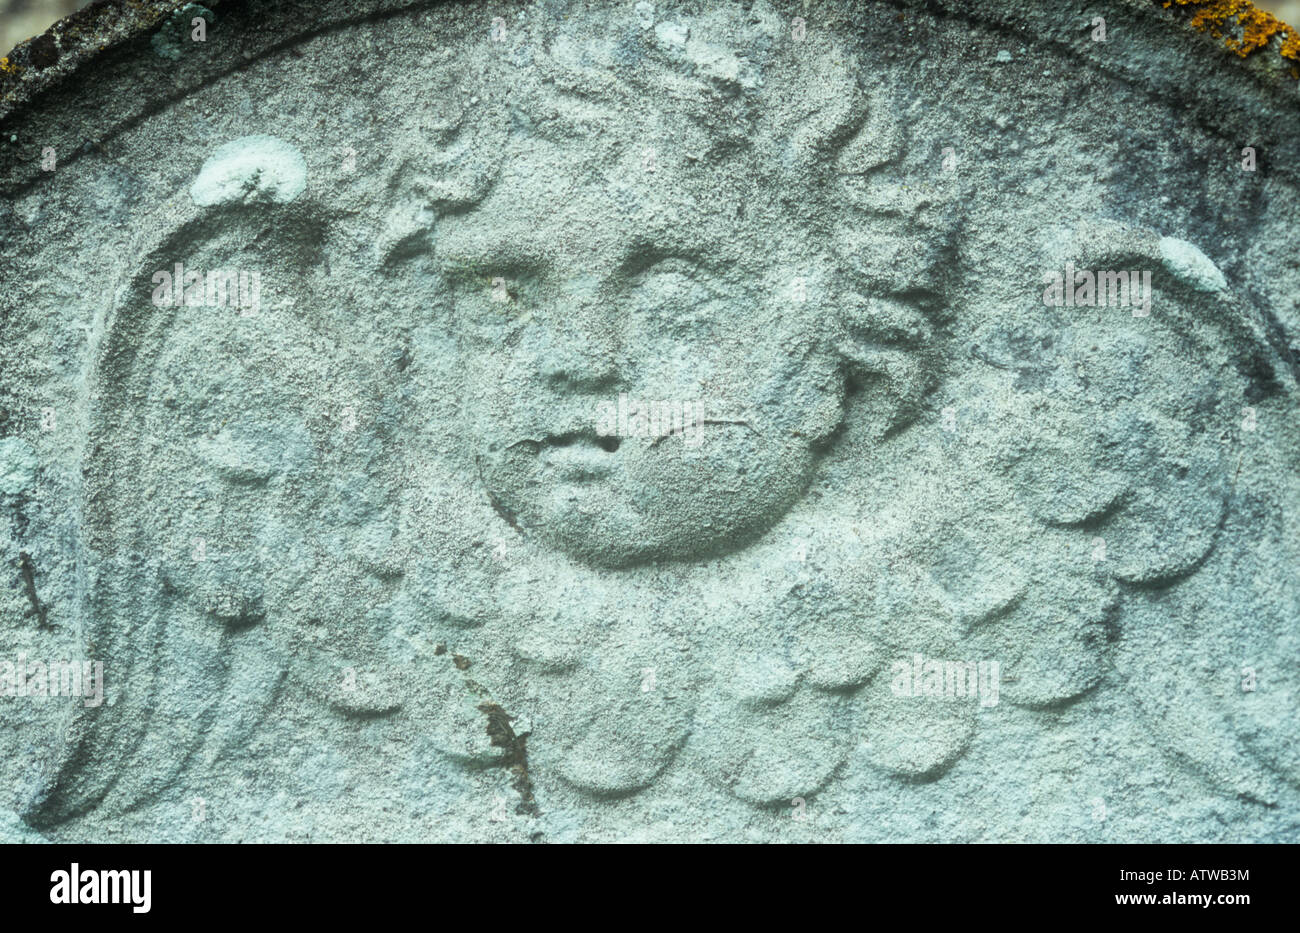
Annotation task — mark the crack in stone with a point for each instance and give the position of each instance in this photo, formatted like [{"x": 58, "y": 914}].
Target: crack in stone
[
  {"x": 502, "y": 735},
  {"x": 39, "y": 609}
]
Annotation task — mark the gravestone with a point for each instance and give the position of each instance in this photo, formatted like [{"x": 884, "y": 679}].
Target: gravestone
[{"x": 580, "y": 421}]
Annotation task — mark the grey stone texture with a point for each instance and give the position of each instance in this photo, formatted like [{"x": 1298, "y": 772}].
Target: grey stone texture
[{"x": 375, "y": 536}]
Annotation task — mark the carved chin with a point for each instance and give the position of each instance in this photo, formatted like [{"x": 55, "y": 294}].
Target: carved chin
[
  {"x": 619, "y": 536},
  {"x": 637, "y": 505}
]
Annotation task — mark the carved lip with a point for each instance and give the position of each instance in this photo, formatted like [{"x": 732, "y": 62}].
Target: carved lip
[
  {"x": 609, "y": 444},
  {"x": 579, "y": 456}
]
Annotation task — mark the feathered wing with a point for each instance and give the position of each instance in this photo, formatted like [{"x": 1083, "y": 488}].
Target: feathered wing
[
  {"x": 201, "y": 423},
  {"x": 1099, "y": 494},
  {"x": 1129, "y": 437}
]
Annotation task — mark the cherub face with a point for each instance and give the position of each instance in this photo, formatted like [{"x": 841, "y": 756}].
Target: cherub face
[{"x": 578, "y": 302}]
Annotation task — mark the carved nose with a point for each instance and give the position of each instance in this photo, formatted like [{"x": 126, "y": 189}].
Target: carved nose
[
  {"x": 581, "y": 351},
  {"x": 580, "y": 363},
  {"x": 583, "y": 354}
]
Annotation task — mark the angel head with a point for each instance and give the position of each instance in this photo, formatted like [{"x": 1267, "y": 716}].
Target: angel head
[{"x": 678, "y": 258}]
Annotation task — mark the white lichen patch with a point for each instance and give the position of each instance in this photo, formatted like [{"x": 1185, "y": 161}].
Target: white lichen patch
[
  {"x": 1191, "y": 266},
  {"x": 249, "y": 170},
  {"x": 17, "y": 465}
]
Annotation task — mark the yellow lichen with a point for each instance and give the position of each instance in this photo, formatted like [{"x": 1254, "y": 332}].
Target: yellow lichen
[{"x": 1256, "y": 28}]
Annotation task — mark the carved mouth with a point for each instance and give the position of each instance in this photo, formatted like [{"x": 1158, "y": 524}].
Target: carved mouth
[
  {"x": 575, "y": 456},
  {"x": 608, "y": 444}
]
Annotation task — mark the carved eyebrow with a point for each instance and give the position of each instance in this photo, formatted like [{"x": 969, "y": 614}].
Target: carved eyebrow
[
  {"x": 481, "y": 255},
  {"x": 710, "y": 276}
]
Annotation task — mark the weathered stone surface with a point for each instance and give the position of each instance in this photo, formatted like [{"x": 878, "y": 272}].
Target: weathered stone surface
[{"x": 383, "y": 533}]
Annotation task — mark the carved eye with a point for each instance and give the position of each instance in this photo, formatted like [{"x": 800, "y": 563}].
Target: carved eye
[
  {"x": 681, "y": 300},
  {"x": 494, "y": 287}
]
